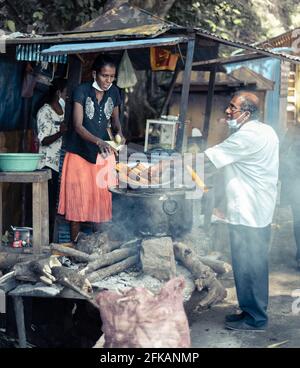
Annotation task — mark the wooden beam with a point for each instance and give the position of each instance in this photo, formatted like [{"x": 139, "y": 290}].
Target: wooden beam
[
  {"x": 74, "y": 78},
  {"x": 38, "y": 176},
  {"x": 37, "y": 222},
  {"x": 229, "y": 59},
  {"x": 181, "y": 138},
  {"x": 170, "y": 91},
  {"x": 209, "y": 101},
  {"x": 19, "y": 313}
]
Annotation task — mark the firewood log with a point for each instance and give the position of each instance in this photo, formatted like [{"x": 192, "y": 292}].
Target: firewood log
[
  {"x": 204, "y": 277},
  {"x": 73, "y": 280},
  {"x": 95, "y": 242},
  {"x": 219, "y": 267},
  {"x": 37, "y": 270},
  {"x": 70, "y": 252},
  {"x": 109, "y": 259},
  {"x": 8, "y": 260},
  {"x": 114, "y": 269}
]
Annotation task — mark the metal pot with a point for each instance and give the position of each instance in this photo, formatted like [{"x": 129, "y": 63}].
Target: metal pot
[{"x": 153, "y": 212}]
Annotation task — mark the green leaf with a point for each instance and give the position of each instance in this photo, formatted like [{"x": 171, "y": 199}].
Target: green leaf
[
  {"x": 10, "y": 24},
  {"x": 236, "y": 11},
  {"x": 237, "y": 22},
  {"x": 38, "y": 15}
]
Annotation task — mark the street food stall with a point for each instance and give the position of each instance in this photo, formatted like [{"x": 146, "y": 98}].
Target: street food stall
[{"x": 160, "y": 212}]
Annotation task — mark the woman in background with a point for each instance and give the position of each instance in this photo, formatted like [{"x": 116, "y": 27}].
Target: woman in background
[{"x": 50, "y": 128}]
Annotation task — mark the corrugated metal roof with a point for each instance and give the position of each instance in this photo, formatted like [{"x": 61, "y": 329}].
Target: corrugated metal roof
[
  {"x": 124, "y": 16},
  {"x": 284, "y": 39},
  {"x": 242, "y": 76},
  {"x": 108, "y": 46},
  {"x": 246, "y": 46},
  {"x": 32, "y": 52},
  {"x": 153, "y": 30}
]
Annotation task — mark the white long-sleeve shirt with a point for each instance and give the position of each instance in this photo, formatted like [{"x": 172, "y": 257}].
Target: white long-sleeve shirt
[{"x": 250, "y": 158}]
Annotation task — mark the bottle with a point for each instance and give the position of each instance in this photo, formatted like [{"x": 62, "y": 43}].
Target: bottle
[{"x": 155, "y": 136}]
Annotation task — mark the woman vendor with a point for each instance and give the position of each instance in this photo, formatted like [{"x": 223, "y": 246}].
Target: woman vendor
[{"x": 89, "y": 161}]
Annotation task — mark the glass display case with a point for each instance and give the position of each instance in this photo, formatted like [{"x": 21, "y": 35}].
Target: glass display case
[{"x": 161, "y": 133}]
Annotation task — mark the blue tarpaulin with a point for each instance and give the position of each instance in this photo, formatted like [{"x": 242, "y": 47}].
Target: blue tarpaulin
[
  {"x": 11, "y": 75},
  {"x": 75, "y": 48},
  {"x": 270, "y": 69}
]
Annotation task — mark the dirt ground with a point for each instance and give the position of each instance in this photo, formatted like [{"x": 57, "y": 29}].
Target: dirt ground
[{"x": 207, "y": 329}]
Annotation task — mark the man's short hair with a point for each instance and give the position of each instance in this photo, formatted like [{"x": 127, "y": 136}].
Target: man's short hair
[{"x": 249, "y": 102}]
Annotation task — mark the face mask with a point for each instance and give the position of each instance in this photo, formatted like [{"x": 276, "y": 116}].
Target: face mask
[
  {"x": 98, "y": 88},
  {"x": 233, "y": 123},
  {"x": 62, "y": 103}
]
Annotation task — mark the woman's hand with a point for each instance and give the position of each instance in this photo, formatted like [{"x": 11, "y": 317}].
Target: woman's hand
[
  {"x": 63, "y": 127},
  {"x": 104, "y": 148}
]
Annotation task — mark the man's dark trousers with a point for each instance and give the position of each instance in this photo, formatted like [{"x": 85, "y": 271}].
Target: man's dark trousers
[{"x": 249, "y": 251}]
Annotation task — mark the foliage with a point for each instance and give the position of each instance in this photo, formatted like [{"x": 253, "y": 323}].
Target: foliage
[
  {"x": 43, "y": 15},
  {"x": 230, "y": 18},
  {"x": 250, "y": 21}
]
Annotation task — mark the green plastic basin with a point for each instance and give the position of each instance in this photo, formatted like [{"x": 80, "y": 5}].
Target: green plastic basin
[{"x": 19, "y": 161}]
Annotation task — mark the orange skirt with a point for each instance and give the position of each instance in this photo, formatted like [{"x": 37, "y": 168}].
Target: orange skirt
[{"x": 84, "y": 194}]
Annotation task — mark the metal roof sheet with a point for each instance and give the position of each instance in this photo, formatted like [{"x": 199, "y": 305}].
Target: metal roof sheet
[
  {"x": 79, "y": 48},
  {"x": 32, "y": 52},
  {"x": 246, "y": 46},
  {"x": 118, "y": 18}
]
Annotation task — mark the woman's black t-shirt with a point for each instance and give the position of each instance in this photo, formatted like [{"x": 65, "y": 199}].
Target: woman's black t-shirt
[{"x": 96, "y": 116}]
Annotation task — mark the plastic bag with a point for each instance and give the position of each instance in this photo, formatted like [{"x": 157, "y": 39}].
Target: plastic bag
[
  {"x": 139, "y": 319},
  {"x": 126, "y": 73}
]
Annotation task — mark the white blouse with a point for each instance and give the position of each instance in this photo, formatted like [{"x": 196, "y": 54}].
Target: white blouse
[{"x": 48, "y": 123}]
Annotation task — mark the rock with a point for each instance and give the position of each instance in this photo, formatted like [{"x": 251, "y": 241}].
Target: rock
[{"x": 157, "y": 258}]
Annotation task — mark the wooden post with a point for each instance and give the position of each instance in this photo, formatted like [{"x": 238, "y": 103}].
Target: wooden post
[
  {"x": 44, "y": 214},
  {"x": 170, "y": 91},
  {"x": 74, "y": 78},
  {"x": 19, "y": 313},
  {"x": 209, "y": 102},
  {"x": 181, "y": 138},
  {"x": 40, "y": 216},
  {"x": 24, "y": 148},
  {"x": 36, "y": 217}
]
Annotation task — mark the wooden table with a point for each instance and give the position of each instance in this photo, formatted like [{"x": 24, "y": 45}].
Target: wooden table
[
  {"x": 40, "y": 206},
  {"x": 15, "y": 289}
]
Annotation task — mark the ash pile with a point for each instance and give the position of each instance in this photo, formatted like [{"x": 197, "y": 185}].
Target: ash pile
[{"x": 106, "y": 261}]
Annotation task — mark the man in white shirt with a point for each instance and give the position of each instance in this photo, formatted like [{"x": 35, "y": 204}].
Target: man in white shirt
[{"x": 249, "y": 158}]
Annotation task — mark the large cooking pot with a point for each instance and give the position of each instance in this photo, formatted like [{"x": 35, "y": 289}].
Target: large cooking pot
[{"x": 152, "y": 212}]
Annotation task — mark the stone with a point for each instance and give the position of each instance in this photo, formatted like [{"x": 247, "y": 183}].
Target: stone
[{"x": 157, "y": 258}]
